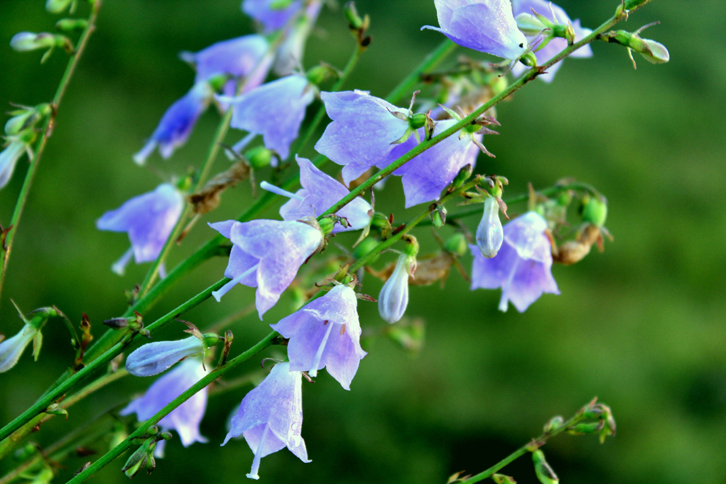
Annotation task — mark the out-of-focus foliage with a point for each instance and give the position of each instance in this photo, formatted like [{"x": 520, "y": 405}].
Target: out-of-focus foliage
[{"x": 642, "y": 326}]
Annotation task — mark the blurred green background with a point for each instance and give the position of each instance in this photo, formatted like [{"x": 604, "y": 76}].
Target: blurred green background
[{"x": 642, "y": 326}]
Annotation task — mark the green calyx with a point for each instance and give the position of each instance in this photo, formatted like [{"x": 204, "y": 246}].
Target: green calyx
[
  {"x": 528, "y": 60},
  {"x": 594, "y": 210},
  {"x": 259, "y": 157},
  {"x": 411, "y": 247},
  {"x": 417, "y": 121}
]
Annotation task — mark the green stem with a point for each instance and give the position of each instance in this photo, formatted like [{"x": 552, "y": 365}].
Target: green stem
[
  {"x": 40, "y": 146},
  {"x": 8, "y": 444},
  {"x": 65, "y": 386},
  {"x": 541, "y": 440},
  {"x": 143, "y": 429},
  {"x": 406, "y": 87}
]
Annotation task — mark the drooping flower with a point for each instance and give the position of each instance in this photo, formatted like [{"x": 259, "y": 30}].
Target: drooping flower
[
  {"x": 266, "y": 254},
  {"x": 319, "y": 192},
  {"x": 482, "y": 25},
  {"x": 557, "y": 44},
  {"x": 290, "y": 53},
  {"x": 185, "y": 419},
  {"x": 489, "y": 233},
  {"x": 153, "y": 358},
  {"x": 270, "y": 417},
  {"x": 523, "y": 266},
  {"x": 325, "y": 333},
  {"x": 177, "y": 122},
  {"x": 148, "y": 219},
  {"x": 425, "y": 176},
  {"x": 8, "y": 159},
  {"x": 235, "y": 57},
  {"x": 272, "y": 14},
  {"x": 363, "y": 133},
  {"x": 274, "y": 110},
  {"x": 12, "y": 348}
]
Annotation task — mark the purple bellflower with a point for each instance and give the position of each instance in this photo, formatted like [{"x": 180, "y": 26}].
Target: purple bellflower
[
  {"x": 266, "y": 254},
  {"x": 177, "y": 122},
  {"x": 482, "y": 25},
  {"x": 319, "y": 192},
  {"x": 235, "y": 57},
  {"x": 425, "y": 176},
  {"x": 185, "y": 419},
  {"x": 363, "y": 133},
  {"x": 271, "y": 16},
  {"x": 489, "y": 233},
  {"x": 9, "y": 158},
  {"x": 523, "y": 266},
  {"x": 393, "y": 300},
  {"x": 270, "y": 417},
  {"x": 556, "y": 45},
  {"x": 12, "y": 349},
  {"x": 325, "y": 333},
  {"x": 274, "y": 110},
  {"x": 148, "y": 219}
]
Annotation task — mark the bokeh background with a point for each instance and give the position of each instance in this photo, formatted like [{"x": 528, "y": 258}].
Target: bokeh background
[{"x": 642, "y": 326}]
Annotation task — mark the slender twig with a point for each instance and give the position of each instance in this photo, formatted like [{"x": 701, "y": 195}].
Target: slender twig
[{"x": 47, "y": 131}]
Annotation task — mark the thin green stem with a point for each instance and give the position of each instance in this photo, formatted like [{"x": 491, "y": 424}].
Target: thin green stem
[
  {"x": 407, "y": 86},
  {"x": 42, "y": 404},
  {"x": 541, "y": 440},
  {"x": 40, "y": 146},
  {"x": 143, "y": 429}
]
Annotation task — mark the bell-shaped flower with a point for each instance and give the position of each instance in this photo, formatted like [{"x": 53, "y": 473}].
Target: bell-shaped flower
[
  {"x": 489, "y": 233},
  {"x": 270, "y": 417},
  {"x": 185, "y": 419},
  {"x": 235, "y": 57},
  {"x": 428, "y": 174},
  {"x": 9, "y": 158},
  {"x": 482, "y": 25},
  {"x": 148, "y": 219},
  {"x": 274, "y": 110},
  {"x": 266, "y": 254},
  {"x": 177, "y": 122},
  {"x": 272, "y": 14},
  {"x": 12, "y": 348},
  {"x": 364, "y": 132},
  {"x": 393, "y": 299},
  {"x": 153, "y": 358},
  {"x": 523, "y": 266},
  {"x": 319, "y": 192},
  {"x": 557, "y": 44},
  {"x": 325, "y": 333}
]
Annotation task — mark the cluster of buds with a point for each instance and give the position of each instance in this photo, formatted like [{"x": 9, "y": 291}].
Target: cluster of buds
[
  {"x": 143, "y": 458},
  {"x": 20, "y": 133}
]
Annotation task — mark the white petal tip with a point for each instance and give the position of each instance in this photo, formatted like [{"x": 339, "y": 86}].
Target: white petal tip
[
  {"x": 216, "y": 295},
  {"x": 253, "y": 476}
]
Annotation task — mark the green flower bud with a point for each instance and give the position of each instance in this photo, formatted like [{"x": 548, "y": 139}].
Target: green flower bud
[
  {"x": 364, "y": 248},
  {"x": 351, "y": 14},
  {"x": 587, "y": 428},
  {"x": 529, "y": 24},
  {"x": 259, "y": 157},
  {"x": 411, "y": 247},
  {"x": 317, "y": 74},
  {"x": 57, "y": 6},
  {"x": 544, "y": 472},
  {"x": 26, "y": 41},
  {"x": 594, "y": 210},
  {"x": 417, "y": 121},
  {"x": 529, "y": 60},
  {"x": 457, "y": 245},
  {"x": 326, "y": 225},
  {"x": 463, "y": 174},
  {"x": 71, "y": 24},
  {"x": 554, "y": 424}
]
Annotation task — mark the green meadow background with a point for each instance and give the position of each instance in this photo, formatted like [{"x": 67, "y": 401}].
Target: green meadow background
[{"x": 642, "y": 325}]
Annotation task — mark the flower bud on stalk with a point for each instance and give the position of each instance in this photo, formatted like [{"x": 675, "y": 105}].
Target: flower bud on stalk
[
  {"x": 490, "y": 234},
  {"x": 544, "y": 472},
  {"x": 393, "y": 300},
  {"x": 12, "y": 348},
  {"x": 154, "y": 358},
  {"x": 57, "y": 6}
]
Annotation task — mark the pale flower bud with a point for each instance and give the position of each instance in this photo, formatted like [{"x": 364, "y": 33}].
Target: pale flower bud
[
  {"x": 655, "y": 53},
  {"x": 393, "y": 299},
  {"x": 490, "y": 234},
  {"x": 153, "y": 358},
  {"x": 528, "y": 24},
  {"x": 25, "y": 41},
  {"x": 11, "y": 349}
]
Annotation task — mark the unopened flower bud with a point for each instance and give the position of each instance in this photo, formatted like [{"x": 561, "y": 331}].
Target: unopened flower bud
[
  {"x": 351, "y": 14},
  {"x": 457, "y": 244},
  {"x": 554, "y": 424},
  {"x": 586, "y": 428},
  {"x": 502, "y": 479},
  {"x": 544, "y": 472},
  {"x": 153, "y": 358},
  {"x": 142, "y": 458},
  {"x": 417, "y": 121},
  {"x": 364, "y": 248},
  {"x": 71, "y": 24},
  {"x": 529, "y": 60},
  {"x": 326, "y": 225},
  {"x": 393, "y": 300},
  {"x": 26, "y": 118},
  {"x": 12, "y": 348},
  {"x": 463, "y": 174},
  {"x": 529, "y": 24},
  {"x": 381, "y": 221},
  {"x": 594, "y": 210},
  {"x": 57, "y": 6},
  {"x": 654, "y": 52},
  {"x": 317, "y": 74},
  {"x": 26, "y": 41},
  {"x": 438, "y": 217},
  {"x": 490, "y": 234},
  {"x": 259, "y": 157}
]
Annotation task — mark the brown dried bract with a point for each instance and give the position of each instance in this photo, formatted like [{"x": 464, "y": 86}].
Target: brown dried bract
[
  {"x": 575, "y": 250},
  {"x": 208, "y": 198}
]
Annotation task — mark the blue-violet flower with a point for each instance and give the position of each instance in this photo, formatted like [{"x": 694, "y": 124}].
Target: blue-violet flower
[
  {"x": 266, "y": 254},
  {"x": 482, "y": 25},
  {"x": 177, "y": 122},
  {"x": 325, "y": 333},
  {"x": 148, "y": 219},
  {"x": 523, "y": 266},
  {"x": 270, "y": 417},
  {"x": 185, "y": 419}
]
